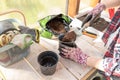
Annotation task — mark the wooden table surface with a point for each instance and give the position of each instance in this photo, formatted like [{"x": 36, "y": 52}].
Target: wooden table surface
[{"x": 28, "y": 68}]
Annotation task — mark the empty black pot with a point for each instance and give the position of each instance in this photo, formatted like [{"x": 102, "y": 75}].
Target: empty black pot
[{"x": 48, "y": 62}]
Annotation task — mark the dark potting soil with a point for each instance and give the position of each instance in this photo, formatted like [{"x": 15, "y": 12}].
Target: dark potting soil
[
  {"x": 57, "y": 26},
  {"x": 99, "y": 23},
  {"x": 69, "y": 37}
]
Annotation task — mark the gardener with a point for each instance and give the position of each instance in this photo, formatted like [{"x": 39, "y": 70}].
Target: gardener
[{"x": 110, "y": 64}]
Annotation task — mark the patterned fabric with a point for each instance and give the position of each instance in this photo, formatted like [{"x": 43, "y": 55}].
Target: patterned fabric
[
  {"x": 98, "y": 9},
  {"x": 73, "y": 53},
  {"x": 112, "y": 57}
]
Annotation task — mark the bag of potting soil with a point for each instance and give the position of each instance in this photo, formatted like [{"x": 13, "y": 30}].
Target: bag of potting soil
[{"x": 54, "y": 25}]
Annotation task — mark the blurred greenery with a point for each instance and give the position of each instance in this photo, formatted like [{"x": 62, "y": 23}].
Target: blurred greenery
[{"x": 33, "y": 9}]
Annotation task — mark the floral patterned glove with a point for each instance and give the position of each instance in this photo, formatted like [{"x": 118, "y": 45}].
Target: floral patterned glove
[
  {"x": 73, "y": 53},
  {"x": 98, "y": 9}
]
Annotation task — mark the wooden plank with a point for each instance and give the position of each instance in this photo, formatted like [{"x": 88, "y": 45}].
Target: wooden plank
[
  {"x": 61, "y": 72},
  {"x": 98, "y": 45},
  {"x": 87, "y": 47},
  {"x": 20, "y": 71},
  {"x": 78, "y": 70},
  {"x": 89, "y": 74},
  {"x": 73, "y": 7}
]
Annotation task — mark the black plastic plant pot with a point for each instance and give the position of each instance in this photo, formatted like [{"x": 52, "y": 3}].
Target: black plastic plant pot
[
  {"x": 69, "y": 44},
  {"x": 48, "y": 61},
  {"x": 61, "y": 43},
  {"x": 97, "y": 78}
]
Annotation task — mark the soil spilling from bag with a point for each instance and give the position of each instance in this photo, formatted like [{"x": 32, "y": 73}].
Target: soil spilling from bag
[{"x": 57, "y": 26}]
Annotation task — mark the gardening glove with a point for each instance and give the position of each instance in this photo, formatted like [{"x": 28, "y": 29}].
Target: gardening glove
[
  {"x": 22, "y": 40},
  {"x": 96, "y": 11},
  {"x": 34, "y": 32},
  {"x": 73, "y": 53}
]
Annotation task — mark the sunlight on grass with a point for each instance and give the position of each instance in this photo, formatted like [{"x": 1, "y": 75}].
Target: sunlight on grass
[{"x": 33, "y": 9}]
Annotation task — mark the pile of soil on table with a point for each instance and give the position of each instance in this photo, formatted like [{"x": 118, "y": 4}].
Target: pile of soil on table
[{"x": 99, "y": 23}]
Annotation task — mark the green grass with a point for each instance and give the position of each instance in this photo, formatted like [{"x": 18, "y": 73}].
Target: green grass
[{"x": 33, "y": 9}]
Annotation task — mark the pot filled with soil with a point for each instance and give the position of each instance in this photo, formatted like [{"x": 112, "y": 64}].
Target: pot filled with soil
[{"x": 67, "y": 39}]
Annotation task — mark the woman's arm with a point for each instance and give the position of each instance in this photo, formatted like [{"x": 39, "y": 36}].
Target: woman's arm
[
  {"x": 110, "y": 65},
  {"x": 106, "y": 65},
  {"x": 95, "y": 62},
  {"x": 111, "y": 3}
]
